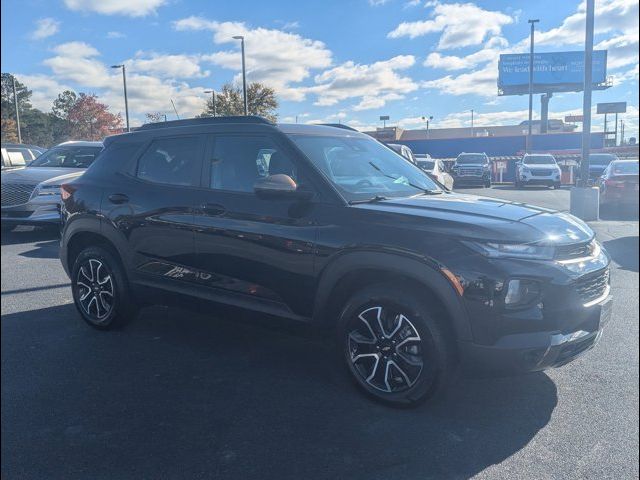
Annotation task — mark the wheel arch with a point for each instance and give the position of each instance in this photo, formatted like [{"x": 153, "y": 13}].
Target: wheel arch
[{"x": 354, "y": 270}]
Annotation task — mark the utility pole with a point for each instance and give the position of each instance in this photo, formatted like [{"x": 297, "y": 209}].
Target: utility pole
[
  {"x": 244, "y": 74},
  {"x": 15, "y": 102},
  {"x": 621, "y": 132},
  {"x": 532, "y": 23},
  {"x": 213, "y": 101}
]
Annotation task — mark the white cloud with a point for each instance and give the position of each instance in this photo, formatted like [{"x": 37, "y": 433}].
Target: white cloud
[
  {"x": 115, "y": 34},
  {"x": 131, "y": 8},
  {"x": 277, "y": 58},
  {"x": 45, "y": 27},
  {"x": 374, "y": 84},
  {"x": 45, "y": 89},
  {"x": 460, "y": 24},
  {"x": 76, "y": 66},
  {"x": 622, "y": 50},
  {"x": 482, "y": 82},
  {"x": 610, "y": 16},
  {"x": 167, "y": 66}
]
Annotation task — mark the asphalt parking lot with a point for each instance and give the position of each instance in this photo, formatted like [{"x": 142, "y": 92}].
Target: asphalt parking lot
[{"x": 179, "y": 394}]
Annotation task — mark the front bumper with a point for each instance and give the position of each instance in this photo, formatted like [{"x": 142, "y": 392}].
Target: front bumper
[
  {"x": 471, "y": 179},
  {"x": 34, "y": 212},
  {"x": 530, "y": 352},
  {"x": 529, "y": 179}
]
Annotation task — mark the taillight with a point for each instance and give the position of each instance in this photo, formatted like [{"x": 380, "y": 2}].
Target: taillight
[{"x": 66, "y": 190}]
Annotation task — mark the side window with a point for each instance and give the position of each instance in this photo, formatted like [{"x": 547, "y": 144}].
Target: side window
[
  {"x": 239, "y": 161},
  {"x": 172, "y": 161}
]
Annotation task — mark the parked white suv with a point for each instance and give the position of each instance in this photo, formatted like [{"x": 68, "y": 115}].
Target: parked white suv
[{"x": 538, "y": 169}]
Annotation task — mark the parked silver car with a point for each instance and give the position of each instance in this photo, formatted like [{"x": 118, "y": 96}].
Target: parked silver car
[{"x": 31, "y": 195}]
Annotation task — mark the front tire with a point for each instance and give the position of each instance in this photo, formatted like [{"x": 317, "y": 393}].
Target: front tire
[
  {"x": 100, "y": 289},
  {"x": 394, "y": 348}
]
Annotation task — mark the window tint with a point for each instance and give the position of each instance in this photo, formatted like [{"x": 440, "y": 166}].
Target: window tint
[
  {"x": 173, "y": 161},
  {"x": 238, "y": 162}
]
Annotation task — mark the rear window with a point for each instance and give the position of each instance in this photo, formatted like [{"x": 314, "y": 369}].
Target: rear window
[
  {"x": 601, "y": 159},
  {"x": 67, "y": 157},
  {"x": 624, "y": 168},
  {"x": 426, "y": 164}
]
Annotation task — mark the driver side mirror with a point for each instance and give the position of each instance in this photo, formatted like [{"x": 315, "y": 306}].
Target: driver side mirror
[{"x": 279, "y": 186}]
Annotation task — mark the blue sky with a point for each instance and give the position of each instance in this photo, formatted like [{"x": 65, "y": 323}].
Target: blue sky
[{"x": 349, "y": 60}]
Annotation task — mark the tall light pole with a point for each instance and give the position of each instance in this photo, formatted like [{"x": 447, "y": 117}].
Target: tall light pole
[
  {"x": 532, "y": 23},
  {"x": 427, "y": 120},
  {"x": 126, "y": 101},
  {"x": 586, "y": 98},
  {"x": 472, "y": 122},
  {"x": 244, "y": 74},
  {"x": 15, "y": 103},
  {"x": 213, "y": 101}
]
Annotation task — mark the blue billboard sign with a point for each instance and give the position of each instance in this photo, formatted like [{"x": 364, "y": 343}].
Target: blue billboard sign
[{"x": 552, "y": 72}]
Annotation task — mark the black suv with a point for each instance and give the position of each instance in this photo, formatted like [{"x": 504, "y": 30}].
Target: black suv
[
  {"x": 327, "y": 226},
  {"x": 472, "y": 169}
]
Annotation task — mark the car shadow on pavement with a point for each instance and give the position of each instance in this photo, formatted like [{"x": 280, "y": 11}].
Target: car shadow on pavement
[
  {"x": 15, "y": 237},
  {"x": 624, "y": 251},
  {"x": 616, "y": 212},
  {"x": 181, "y": 395}
]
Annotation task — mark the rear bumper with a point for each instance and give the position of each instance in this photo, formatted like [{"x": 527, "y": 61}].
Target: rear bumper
[{"x": 530, "y": 352}]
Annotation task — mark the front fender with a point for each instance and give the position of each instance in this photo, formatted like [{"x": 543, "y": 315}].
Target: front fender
[{"x": 419, "y": 269}]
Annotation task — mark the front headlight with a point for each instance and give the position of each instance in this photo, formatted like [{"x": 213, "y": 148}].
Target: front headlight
[
  {"x": 512, "y": 250},
  {"x": 526, "y": 170},
  {"x": 46, "y": 190}
]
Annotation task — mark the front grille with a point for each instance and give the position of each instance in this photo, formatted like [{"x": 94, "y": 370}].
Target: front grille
[
  {"x": 541, "y": 173},
  {"x": 575, "y": 250},
  {"x": 471, "y": 171},
  {"x": 592, "y": 286},
  {"x": 16, "y": 193}
]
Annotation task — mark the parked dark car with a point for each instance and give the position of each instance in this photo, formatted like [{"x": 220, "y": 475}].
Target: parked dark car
[
  {"x": 598, "y": 162},
  {"x": 31, "y": 195},
  {"x": 472, "y": 169},
  {"x": 403, "y": 150},
  {"x": 619, "y": 184},
  {"x": 18, "y": 154},
  {"x": 340, "y": 232}
]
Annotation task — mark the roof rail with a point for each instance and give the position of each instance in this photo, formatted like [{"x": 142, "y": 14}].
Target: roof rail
[
  {"x": 339, "y": 125},
  {"x": 188, "y": 122}
]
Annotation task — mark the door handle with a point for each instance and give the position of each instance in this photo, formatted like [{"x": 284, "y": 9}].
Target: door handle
[
  {"x": 118, "y": 198},
  {"x": 212, "y": 209}
]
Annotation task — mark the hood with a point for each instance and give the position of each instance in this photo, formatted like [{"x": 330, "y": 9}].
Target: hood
[
  {"x": 64, "y": 178},
  {"x": 36, "y": 175},
  {"x": 486, "y": 219},
  {"x": 541, "y": 165}
]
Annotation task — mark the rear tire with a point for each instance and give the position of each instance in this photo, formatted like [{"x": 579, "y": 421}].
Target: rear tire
[
  {"x": 101, "y": 290},
  {"x": 393, "y": 346}
]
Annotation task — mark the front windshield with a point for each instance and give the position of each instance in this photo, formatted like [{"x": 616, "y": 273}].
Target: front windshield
[
  {"x": 625, "y": 168},
  {"x": 362, "y": 168},
  {"x": 67, "y": 157},
  {"x": 472, "y": 159},
  {"x": 601, "y": 159},
  {"x": 539, "y": 160}
]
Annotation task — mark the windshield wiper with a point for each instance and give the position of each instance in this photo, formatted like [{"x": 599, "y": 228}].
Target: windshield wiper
[
  {"x": 425, "y": 191},
  {"x": 377, "y": 198}
]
